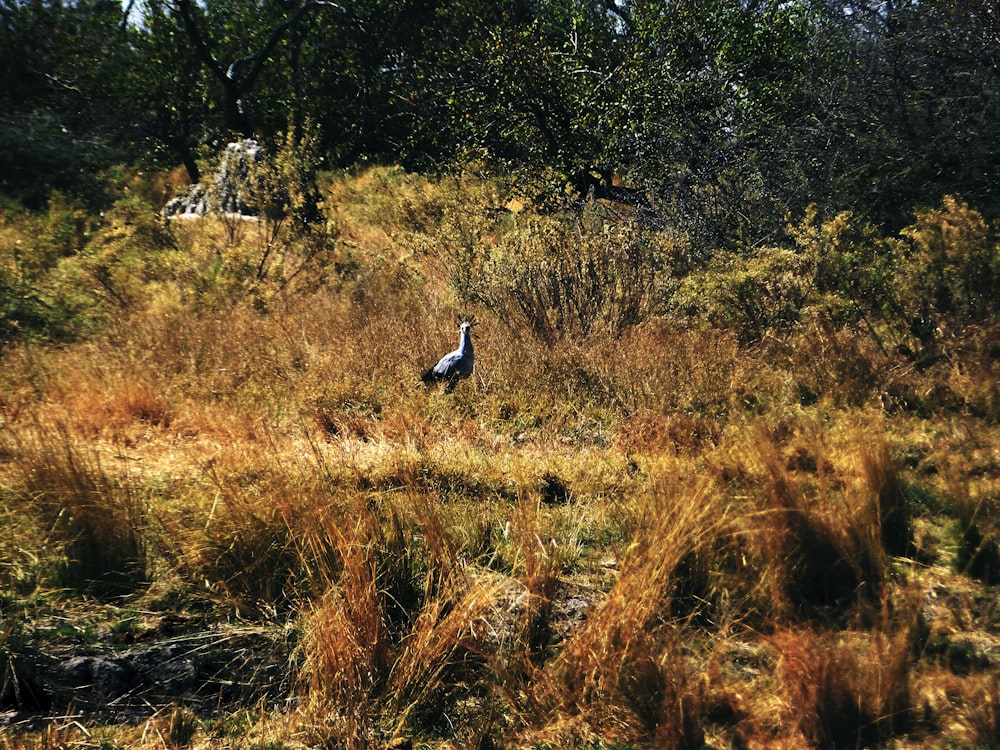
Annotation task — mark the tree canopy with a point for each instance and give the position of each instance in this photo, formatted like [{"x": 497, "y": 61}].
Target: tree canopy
[{"x": 725, "y": 114}]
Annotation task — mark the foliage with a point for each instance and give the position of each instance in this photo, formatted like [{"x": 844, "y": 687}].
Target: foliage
[
  {"x": 68, "y": 109},
  {"x": 561, "y": 278},
  {"x": 855, "y": 265}
]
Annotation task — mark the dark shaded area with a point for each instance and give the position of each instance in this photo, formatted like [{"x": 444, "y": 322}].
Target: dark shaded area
[
  {"x": 202, "y": 670},
  {"x": 713, "y": 118}
]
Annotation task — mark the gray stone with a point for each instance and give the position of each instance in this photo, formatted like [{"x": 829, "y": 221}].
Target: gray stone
[{"x": 109, "y": 677}]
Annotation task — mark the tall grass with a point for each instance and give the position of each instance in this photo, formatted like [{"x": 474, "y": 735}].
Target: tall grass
[
  {"x": 845, "y": 690},
  {"x": 95, "y": 523},
  {"x": 678, "y": 503},
  {"x": 386, "y": 652},
  {"x": 624, "y": 672}
]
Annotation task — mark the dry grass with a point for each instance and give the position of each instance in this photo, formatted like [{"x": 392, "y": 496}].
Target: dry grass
[
  {"x": 90, "y": 523},
  {"x": 638, "y": 528},
  {"x": 844, "y": 690}
]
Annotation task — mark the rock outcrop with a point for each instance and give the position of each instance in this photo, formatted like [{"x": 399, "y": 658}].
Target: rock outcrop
[{"x": 227, "y": 192}]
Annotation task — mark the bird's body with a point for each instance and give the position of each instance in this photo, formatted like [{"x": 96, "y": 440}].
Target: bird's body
[{"x": 455, "y": 365}]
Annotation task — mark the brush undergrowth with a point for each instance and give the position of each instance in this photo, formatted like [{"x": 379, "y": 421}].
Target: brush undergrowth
[{"x": 739, "y": 501}]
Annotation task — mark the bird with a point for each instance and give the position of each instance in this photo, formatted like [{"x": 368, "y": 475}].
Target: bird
[{"x": 455, "y": 365}]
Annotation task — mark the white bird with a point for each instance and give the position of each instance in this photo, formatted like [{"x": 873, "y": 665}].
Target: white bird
[{"x": 455, "y": 365}]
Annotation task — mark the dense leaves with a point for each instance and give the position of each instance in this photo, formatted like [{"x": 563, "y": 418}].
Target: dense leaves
[{"x": 720, "y": 116}]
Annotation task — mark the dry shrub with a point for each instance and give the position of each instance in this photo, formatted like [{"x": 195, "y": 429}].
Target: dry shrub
[
  {"x": 182, "y": 727},
  {"x": 442, "y": 659},
  {"x": 558, "y": 279},
  {"x": 669, "y": 370},
  {"x": 117, "y": 410},
  {"x": 275, "y": 534},
  {"x": 680, "y": 432},
  {"x": 844, "y": 689},
  {"x": 975, "y": 381},
  {"x": 540, "y": 578},
  {"x": 247, "y": 554},
  {"x": 706, "y": 372},
  {"x": 829, "y": 363},
  {"x": 984, "y": 717},
  {"x": 347, "y": 643}
]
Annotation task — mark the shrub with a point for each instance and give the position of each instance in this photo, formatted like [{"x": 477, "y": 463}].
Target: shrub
[
  {"x": 369, "y": 670},
  {"x": 268, "y": 541},
  {"x": 40, "y": 293},
  {"x": 625, "y": 667},
  {"x": 845, "y": 691},
  {"x": 820, "y": 541},
  {"x": 754, "y": 295},
  {"x": 952, "y": 265},
  {"x": 882, "y": 480},
  {"x": 978, "y": 551},
  {"x": 292, "y": 239},
  {"x": 131, "y": 251},
  {"x": 855, "y": 277},
  {"x": 559, "y": 279}
]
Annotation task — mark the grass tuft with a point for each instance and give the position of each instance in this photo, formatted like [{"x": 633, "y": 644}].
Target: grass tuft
[{"x": 94, "y": 528}]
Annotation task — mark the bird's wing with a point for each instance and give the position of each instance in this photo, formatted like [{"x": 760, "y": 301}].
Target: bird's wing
[{"x": 448, "y": 363}]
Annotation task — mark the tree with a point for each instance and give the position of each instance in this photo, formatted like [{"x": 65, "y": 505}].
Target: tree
[
  {"x": 937, "y": 101},
  {"x": 172, "y": 82},
  {"x": 711, "y": 116},
  {"x": 66, "y": 110},
  {"x": 720, "y": 115}
]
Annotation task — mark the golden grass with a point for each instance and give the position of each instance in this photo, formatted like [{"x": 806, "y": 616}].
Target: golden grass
[{"x": 657, "y": 536}]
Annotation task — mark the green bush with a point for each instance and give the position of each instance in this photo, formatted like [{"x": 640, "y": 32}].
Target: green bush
[
  {"x": 855, "y": 266},
  {"x": 133, "y": 249},
  {"x": 40, "y": 294},
  {"x": 754, "y": 295},
  {"x": 952, "y": 264}
]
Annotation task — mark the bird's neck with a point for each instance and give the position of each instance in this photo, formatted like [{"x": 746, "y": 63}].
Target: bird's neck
[{"x": 465, "y": 345}]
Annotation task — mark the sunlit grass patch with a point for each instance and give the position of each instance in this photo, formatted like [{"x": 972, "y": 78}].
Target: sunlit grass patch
[{"x": 661, "y": 529}]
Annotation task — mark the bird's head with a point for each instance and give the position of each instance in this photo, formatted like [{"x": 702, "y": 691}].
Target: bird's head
[{"x": 465, "y": 326}]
